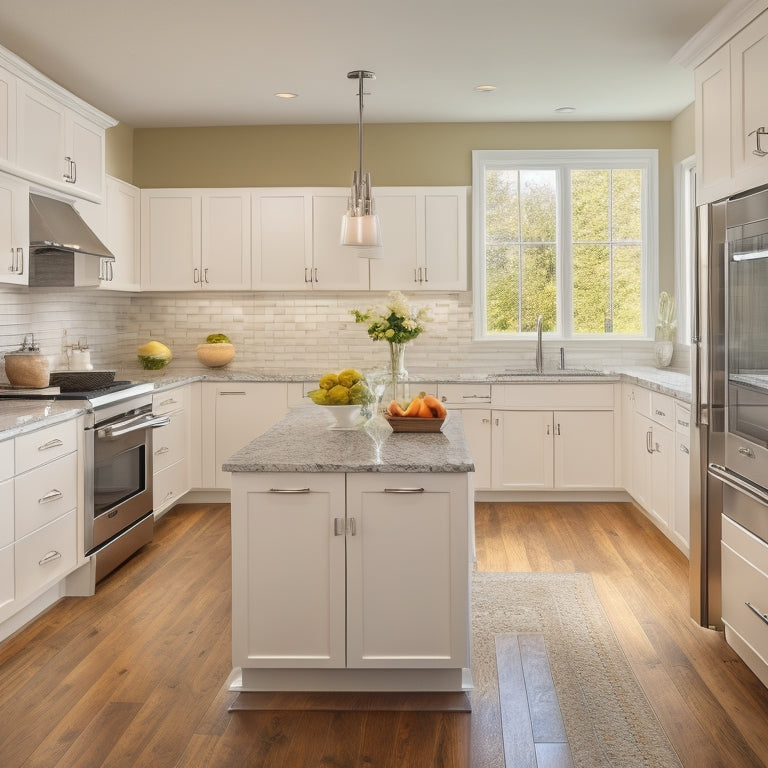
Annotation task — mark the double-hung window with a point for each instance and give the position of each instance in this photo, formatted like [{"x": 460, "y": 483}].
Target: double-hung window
[{"x": 571, "y": 236}]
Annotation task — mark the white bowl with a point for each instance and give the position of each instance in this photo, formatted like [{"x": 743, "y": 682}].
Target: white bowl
[
  {"x": 345, "y": 416},
  {"x": 215, "y": 355}
]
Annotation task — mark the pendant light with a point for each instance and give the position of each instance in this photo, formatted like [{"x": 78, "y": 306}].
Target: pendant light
[{"x": 360, "y": 226}]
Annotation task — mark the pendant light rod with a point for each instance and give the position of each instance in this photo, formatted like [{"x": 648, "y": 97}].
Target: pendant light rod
[{"x": 361, "y": 183}]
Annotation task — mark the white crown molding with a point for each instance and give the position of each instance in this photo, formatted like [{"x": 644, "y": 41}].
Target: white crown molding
[
  {"x": 24, "y": 71},
  {"x": 716, "y": 33}
]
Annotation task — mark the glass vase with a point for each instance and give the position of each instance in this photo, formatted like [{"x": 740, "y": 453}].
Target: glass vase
[{"x": 397, "y": 366}]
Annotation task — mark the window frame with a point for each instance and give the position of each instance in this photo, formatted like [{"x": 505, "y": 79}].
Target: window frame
[{"x": 562, "y": 161}]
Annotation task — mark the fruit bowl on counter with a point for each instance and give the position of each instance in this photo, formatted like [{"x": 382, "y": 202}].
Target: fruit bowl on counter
[
  {"x": 217, "y": 351},
  {"x": 342, "y": 395},
  {"x": 424, "y": 413}
]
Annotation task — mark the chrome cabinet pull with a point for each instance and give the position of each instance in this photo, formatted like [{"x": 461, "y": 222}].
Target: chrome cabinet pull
[
  {"x": 68, "y": 175},
  {"x": 49, "y": 557},
  {"x": 316, "y": 278},
  {"x": 403, "y": 490},
  {"x": 426, "y": 279},
  {"x": 12, "y": 268},
  {"x": 205, "y": 275},
  {"x": 352, "y": 526},
  {"x": 684, "y": 448},
  {"x": 547, "y": 428},
  {"x": 232, "y": 392},
  {"x": 52, "y": 495},
  {"x": 195, "y": 275},
  {"x": 763, "y": 616},
  {"x": 557, "y": 430},
  {"x": 55, "y": 443},
  {"x": 169, "y": 401},
  {"x": 659, "y": 413},
  {"x": 289, "y": 490},
  {"x": 683, "y": 423},
  {"x": 20, "y": 255},
  {"x": 161, "y": 450},
  {"x": 74, "y": 171},
  {"x": 758, "y": 151},
  {"x": 307, "y": 278},
  {"x": 748, "y": 452},
  {"x": 342, "y": 527},
  {"x": 338, "y": 526},
  {"x": 648, "y": 441},
  {"x": 415, "y": 275}
]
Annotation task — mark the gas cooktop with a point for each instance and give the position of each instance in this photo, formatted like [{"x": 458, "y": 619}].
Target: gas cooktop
[{"x": 115, "y": 392}]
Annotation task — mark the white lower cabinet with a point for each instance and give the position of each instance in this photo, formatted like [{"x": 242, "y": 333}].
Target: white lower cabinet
[
  {"x": 477, "y": 430},
  {"x": 681, "y": 514},
  {"x": 745, "y": 595},
  {"x": 553, "y": 450},
  {"x": 356, "y": 571},
  {"x": 170, "y": 449},
  {"x": 232, "y": 416}
]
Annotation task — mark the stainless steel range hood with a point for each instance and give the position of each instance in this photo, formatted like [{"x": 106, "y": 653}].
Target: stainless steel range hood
[{"x": 63, "y": 249}]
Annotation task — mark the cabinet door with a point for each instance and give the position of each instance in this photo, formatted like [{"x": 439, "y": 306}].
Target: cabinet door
[
  {"x": 713, "y": 127},
  {"x": 445, "y": 241},
  {"x": 336, "y": 267},
  {"x": 226, "y": 241},
  {"x": 402, "y": 231},
  {"x": 522, "y": 450},
  {"x": 681, "y": 522},
  {"x": 642, "y": 459},
  {"x": 14, "y": 230},
  {"x": 85, "y": 146},
  {"x": 662, "y": 488},
  {"x": 407, "y": 567},
  {"x": 584, "y": 449},
  {"x": 170, "y": 240},
  {"x": 123, "y": 236},
  {"x": 7, "y": 116},
  {"x": 627, "y": 441},
  {"x": 288, "y": 570},
  {"x": 281, "y": 240},
  {"x": 749, "y": 82},
  {"x": 233, "y": 415},
  {"x": 477, "y": 430},
  {"x": 41, "y": 136}
]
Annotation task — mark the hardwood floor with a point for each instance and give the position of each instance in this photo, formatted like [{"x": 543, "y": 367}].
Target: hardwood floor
[{"x": 135, "y": 676}]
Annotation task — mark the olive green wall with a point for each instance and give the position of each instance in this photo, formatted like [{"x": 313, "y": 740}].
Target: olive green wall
[
  {"x": 396, "y": 154},
  {"x": 119, "y": 152}
]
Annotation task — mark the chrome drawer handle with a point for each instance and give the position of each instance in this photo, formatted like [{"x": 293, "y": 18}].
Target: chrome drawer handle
[
  {"x": 763, "y": 616},
  {"x": 289, "y": 490},
  {"x": 403, "y": 490},
  {"x": 160, "y": 451},
  {"x": 52, "y": 495},
  {"x": 684, "y": 448},
  {"x": 169, "y": 401},
  {"x": 232, "y": 392},
  {"x": 55, "y": 443},
  {"x": 683, "y": 423},
  {"x": 748, "y": 452},
  {"x": 659, "y": 413},
  {"x": 49, "y": 557}
]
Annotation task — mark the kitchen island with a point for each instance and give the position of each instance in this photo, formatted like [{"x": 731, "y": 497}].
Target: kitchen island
[{"x": 351, "y": 570}]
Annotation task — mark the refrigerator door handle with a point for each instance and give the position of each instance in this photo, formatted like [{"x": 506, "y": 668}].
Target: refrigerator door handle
[{"x": 751, "y": 491}]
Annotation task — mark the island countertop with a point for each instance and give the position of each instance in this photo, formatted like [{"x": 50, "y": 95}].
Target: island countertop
[{"x": 303, "y": 442}]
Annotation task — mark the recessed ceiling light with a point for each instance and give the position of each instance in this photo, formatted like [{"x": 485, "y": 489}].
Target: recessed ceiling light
[
  {"x": 485, "y": 88},
  {"x": 565, "y": 110},
  {"x": 286, "y": 95}
]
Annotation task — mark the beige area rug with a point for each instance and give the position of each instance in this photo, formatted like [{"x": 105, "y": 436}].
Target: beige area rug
[{"x": 608, "y": 719}]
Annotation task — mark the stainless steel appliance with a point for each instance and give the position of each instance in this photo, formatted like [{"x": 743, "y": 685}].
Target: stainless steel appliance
[
  {"x": 729, "y": 387},
  {"x": 118, "y": 503}
]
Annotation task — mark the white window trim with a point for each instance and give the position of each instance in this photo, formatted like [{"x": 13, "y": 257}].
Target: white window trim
[
  {"x": 685, "y": 241},
  {"x": 647, "y": 159}
]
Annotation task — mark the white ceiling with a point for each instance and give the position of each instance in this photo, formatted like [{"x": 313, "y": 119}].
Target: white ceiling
[{"x": 220, "y": 62}]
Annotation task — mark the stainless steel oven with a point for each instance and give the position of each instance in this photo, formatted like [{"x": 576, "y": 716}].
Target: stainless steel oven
[{"x": 119, "y": 515}]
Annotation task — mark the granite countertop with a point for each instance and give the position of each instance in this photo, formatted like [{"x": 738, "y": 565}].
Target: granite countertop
[
  {"x": 304, "y": 442},
  {"x": 19, "y": 416}
]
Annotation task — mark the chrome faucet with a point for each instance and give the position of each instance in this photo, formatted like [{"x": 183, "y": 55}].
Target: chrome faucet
[{"x": 539, "y": 350}]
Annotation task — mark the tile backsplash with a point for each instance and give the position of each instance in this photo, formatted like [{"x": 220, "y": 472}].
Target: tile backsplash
[{"x": 273, "y": 332}]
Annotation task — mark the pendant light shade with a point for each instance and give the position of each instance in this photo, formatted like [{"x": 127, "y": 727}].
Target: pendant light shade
[{"x": 360, "y": 226}]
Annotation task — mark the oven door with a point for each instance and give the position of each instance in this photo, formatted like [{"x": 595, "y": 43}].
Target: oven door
[
  {"x": 120, "y": 482},
  {"x": 746, "y": 449}
]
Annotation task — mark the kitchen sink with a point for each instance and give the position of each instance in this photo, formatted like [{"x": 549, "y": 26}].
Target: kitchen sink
[{"x": 515, "y": 373}]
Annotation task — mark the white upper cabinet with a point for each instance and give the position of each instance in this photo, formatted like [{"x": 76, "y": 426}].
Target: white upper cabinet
[
  {"x": 424, "y": 230},
  {"x": 281, "y": 221},
  {"x": 14, "y": 230},
  {"x": 123, "y": 235},
  {"x": 749, "y": 117},
  {"x": 195, "y": 239},
  {"x": 57, "y": 146},
  {"x": 7, "y": 116},
  {"x": 335, "y": 267}
]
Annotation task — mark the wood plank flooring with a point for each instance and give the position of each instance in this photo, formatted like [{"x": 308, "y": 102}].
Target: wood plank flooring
[{"x": 135, "y": 676}]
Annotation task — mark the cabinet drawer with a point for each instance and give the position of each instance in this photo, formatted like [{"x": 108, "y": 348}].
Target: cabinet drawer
[
  {"x": 6, "y": 459},
  {"x": 663, "y": 410},
  {"x": 169, "y": 442},
  {"x": 553, "y": 396},
  {"x": 682, "y": 419},
  {"x": 45, "y": 555},
  {"x": 464, "y": 394},
  {"x": 6, "y": 513},
  {"x": 745, "y": 580},
  {"x": 170, "y": 484},
  {"x": 7, "y": 590},
  {"x": 167, "y": 402},
  {"x": 45, "y": 445},
  {"x": 45, "y": 493}
]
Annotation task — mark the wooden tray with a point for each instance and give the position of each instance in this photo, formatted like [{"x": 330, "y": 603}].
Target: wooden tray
[{"x": 414, "y": 424}]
